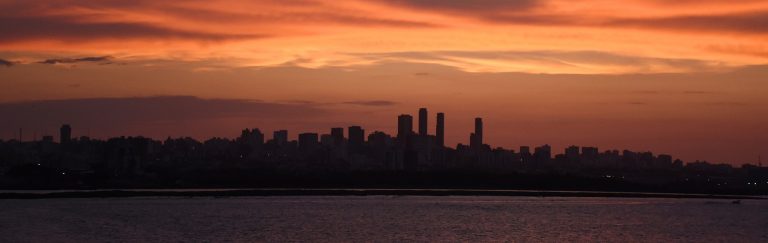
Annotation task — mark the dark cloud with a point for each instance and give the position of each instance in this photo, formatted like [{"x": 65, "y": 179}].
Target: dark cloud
[
  {"x": 111, "y": 114},
  {"x": 290, "y": 17},
  {"x": 750, "y": 22},
  {"x": 24, "y": 21},
  {"x": 371, "y": 103},
  {"x": 6, "y": 63},
  {"x": 494, "y": 11},
  {"x": 64, "y": 28},
  {"x": 77, "y": 60},
  {"x": 520, "y": 12}
]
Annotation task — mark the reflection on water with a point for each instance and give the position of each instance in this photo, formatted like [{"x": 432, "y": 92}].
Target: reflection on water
[{"x": 383, "y": 218}]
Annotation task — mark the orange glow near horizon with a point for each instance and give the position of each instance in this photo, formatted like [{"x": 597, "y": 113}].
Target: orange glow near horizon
[{"x": 681, "y": 77}]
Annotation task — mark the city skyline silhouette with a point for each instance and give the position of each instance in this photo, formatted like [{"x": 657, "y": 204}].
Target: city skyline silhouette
[
  {"x": 313, "y": 159},
  {"x": 383, "y": 121}
]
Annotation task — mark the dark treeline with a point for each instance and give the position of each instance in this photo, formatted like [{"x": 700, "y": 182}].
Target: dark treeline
[{"x": 378, "y": 160}]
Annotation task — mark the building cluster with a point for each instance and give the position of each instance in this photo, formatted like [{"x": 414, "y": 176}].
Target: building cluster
[{"x": 409, "y": 150}]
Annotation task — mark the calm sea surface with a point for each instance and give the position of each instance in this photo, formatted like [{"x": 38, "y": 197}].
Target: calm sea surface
[{"x": 382, "y": 219}]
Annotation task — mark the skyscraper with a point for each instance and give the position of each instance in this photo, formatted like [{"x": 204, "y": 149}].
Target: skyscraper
[
  {"x": 572, "y": 153},
  {"x": 252, "y": 137},
  {"x": 423, "y": 121},
  {"x": 476, "y": 138},
  {"x": 479, "y": 129},
  {"x": 440, "y": 129},
  {"x": 404, "y": 127},
  {"x": 327, "y": 140},
  {"x": 65, "y": 134},
  {"x": 308, "y": 141},
  {"x": 356, "y": 136},
  {"x": 338, "y": 135},
  {"x": 280, "y": 136}
]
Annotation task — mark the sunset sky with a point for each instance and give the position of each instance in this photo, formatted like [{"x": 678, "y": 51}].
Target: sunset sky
[{"x": 681, "y": 77}]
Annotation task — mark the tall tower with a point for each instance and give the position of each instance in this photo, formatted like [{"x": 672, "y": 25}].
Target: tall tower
[
  {"x": 280, "y": 136},
  {"x": 404, "y": 127},
  {"x": 476, "y": 138},
  {"x": 440, "y": 131},
  {"x": 479, "y": 129},
  {"x": 308, "y": 141},
  {"x": 65, "y": 134},
  {"x": 423, "y": 121},
  {"x": 338, "y": 135},
  {"x": 356, "y": 136}
]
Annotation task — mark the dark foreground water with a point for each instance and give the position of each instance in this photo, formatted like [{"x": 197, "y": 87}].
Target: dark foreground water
[{"x": 382, "y": 219}]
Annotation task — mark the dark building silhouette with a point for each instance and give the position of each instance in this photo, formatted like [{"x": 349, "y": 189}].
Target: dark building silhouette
[
  {"x": 440, "y": 129},
  {"x": 379, "y": 139},
  {"x": 479, "y": 130},
  {"x": 404, "y": 127},
  {"x": 543, "y": 153},
  {"x": 65, "y": 133},
  {"x": 423, "y": 122},
  {"x": 525, "y": 154},
  {"x": 572, "y": 153},
  {"x": 308, "y": 141},
  {"x": 252, "y": 137},
  {"x": 327, "y": 140},
  {"x": 316, "y": 160},
  {"x": 476, "y": 138},
  {"x": 338, "y": 135},
  {"x": 356, "y": 136},
  {"x": 589, "y": 152},
  {"x": 280, "y": 136}
]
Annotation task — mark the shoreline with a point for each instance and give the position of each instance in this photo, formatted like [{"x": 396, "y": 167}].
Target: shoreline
[{"x": 122, "y": 193}]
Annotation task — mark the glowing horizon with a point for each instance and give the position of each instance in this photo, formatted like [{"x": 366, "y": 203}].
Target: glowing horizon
[{"x": 685, "y": 78}]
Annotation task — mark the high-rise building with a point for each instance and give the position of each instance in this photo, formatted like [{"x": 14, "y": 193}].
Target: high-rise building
[
  {"x": 572, "y": 153},
  {"x": 252, "y": 137},
  {"x": 423, "y": 122},
  {"x": 308, "y": 141},
  {"x": 404, "y": 127},
  {"x": 525, "y": 150},
  {"x": 327, "y": 140},
  {"x": 280, "y": 136},
  {"x": 338, "y": 135},
  {"x": 65, "y": 134},
  {"x": 543, "y": 153},
  {"x": 476, "y": 138},
  {"x": 479, "y": 130},
  {"x": 589, "y": 153},
  {"x": 379, "y": 139},
  {"x": 356, "y": 136},
  {"x": 525, "y": 154},
  {"x": 440, "y": 129}
]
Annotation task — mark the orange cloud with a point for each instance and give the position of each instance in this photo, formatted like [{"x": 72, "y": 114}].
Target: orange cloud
[{"x": 669, "y": 36}]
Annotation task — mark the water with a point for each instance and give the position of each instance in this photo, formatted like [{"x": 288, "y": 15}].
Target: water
[{"x": 382, "y": 219}]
